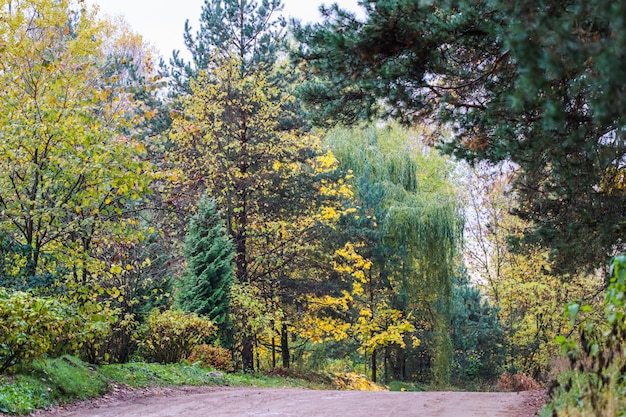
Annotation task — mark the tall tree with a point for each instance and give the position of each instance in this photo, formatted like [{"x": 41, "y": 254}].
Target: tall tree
[
  {"x": 270, "y": 183},
  {"x": 478, "y": 335},
  {"x": 527, "y": 290},
  {"x": 251, "y": 30},
  {"x": 205, "y": 288},
  {"x": 537, "y": 83},
  {"x": 67, "y": 174}
]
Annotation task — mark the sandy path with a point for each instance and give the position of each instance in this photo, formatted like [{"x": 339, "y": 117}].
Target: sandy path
[{"x": 257, "y": 402}]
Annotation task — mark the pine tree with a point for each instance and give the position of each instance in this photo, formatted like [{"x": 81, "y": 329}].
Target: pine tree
[
  {"x": 538, "y": 83},
  {"x": 253, "y": 32},
  {"x": 209, "y": 251},
  {"x": 478, "y": 336}
]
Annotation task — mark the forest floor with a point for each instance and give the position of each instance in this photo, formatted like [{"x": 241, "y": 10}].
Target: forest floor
[{"x": 263, "y": 402}]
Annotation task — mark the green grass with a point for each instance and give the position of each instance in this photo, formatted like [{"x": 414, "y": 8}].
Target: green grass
[
  {"x": 141, "y": 375},
  {"x": 44, "y": 383},
  {"x": 23, "y": 395},
  {"x": 406, "y": 386}
]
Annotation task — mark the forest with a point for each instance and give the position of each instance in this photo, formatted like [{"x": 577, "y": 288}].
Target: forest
[{"x": 433, "y": 194}]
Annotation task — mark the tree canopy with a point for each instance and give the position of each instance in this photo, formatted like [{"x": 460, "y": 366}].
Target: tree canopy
[
  {"x": 536, "y": 83},
  {"x": 67, "y": 172}
]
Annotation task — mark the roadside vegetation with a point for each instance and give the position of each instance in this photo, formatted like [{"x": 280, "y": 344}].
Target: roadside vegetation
[{"x": 42, "y": 384}]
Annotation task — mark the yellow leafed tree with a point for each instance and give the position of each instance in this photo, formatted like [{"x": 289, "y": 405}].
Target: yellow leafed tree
[{"x": 67, "y": 172}]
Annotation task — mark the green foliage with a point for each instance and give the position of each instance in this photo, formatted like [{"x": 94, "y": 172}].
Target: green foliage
[
  {"x": 205, "y": 288},
  {"x": 30, "y": 327},
  {"x": 14, "y": 272},
  {"x": 142, "y": 375},
  {"x": 41, "y": 384},
  {"x": 598, "y": 357},
  {"x": 251, "y": 30},
  {"x": 477, "y": 336},
  {"x": 171, "y": 335},
  {"x": 72, "y": 378},
  {"x": 401, "y": 235},
  {"x": 537, "y": 83},
  {"x": 23, "y": 397},
  {"x": 97, "y": 325},
  {"x": 68, "y": 177},
  {"x": 271, "y": 184},
  {"x": 406, "y": 386},
  {"x": 33, "y": 327}
]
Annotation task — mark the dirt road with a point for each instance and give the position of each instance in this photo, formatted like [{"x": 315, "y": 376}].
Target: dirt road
[{"x": 258, "y": 402}]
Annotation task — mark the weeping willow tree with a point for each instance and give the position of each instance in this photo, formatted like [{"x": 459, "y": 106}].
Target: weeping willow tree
[{"x": 418, "y": 218}]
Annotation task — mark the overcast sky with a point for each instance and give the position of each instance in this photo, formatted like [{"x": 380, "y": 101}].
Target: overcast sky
[{"x": 161, "y": 22}]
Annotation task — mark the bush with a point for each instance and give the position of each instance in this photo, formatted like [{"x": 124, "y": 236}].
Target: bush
[
  {"x": 30, "y": 326},
  {"x": 212, "y": 357},
  {"x": 517, "y": 382},
  {"x": 93, "y": 322},
  {"x": 170, "y": 336}
]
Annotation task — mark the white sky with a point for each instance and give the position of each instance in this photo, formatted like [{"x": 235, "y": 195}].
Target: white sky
[{"x": 161, "y": 22}]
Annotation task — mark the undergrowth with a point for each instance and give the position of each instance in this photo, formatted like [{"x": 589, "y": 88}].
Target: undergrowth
[
  {"x": 41, "y": 384},
  {"x": 596, "y": 383}
]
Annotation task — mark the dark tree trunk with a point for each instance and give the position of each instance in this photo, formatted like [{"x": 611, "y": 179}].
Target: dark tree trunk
[
  {"x": 273, "y": 348},
  {"x": 247, "y": 354},
  {"x": 284, "y": 346},
  {"x": 386, "y": 364},
  {"x": 256, "y": 350},
  {"x": 374, "y": 376}
]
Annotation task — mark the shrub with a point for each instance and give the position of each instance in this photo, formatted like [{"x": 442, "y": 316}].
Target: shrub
[
  {"x": 93, "y": 325},
  {"x": 517, "y": 382},
  {"x": 212, "y": 357},
  {"x": 171, "y": 335},
  {"x": 30, "y": 326}
]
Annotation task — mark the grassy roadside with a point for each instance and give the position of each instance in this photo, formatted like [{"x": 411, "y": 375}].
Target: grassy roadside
[{"x": 43, "y": 384}]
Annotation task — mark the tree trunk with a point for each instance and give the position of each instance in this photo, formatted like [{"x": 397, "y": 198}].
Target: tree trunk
[
  {"x": 273, "y": 346},
  {"x": 284, "y": 346},
  {"x": 386, "y": 365},
  {"x": 256, "y": 351},
  {"x": 374, "y": 376},
  {"x": 247, "y": 354}
]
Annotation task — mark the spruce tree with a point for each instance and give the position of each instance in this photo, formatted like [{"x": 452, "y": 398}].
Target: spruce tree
[
  {"x": 209, "y": 251},
  {"x": 478, "y": 335}
]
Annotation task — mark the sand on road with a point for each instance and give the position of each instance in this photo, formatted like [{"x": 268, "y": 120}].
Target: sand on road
[{"x": 261, "y": 402}]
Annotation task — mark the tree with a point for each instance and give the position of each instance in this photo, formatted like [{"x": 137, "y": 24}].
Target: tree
[
  {"x": 252, "y": 31},
  {"x": 536, "y": 83},
  {"x": 205, "y": 288},
  {"x": 270, "y": 183},
  {"x": 239, "y": 135},
  {"x": 67, "y": 174},
  {"x": 527, "y": 290},
  {"x": 477, "y": 335}
]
